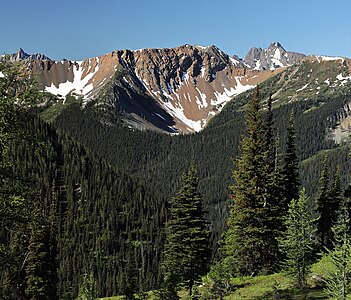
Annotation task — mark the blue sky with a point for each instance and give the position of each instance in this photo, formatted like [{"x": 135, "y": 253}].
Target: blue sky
[{"x": 76, "y": 29}]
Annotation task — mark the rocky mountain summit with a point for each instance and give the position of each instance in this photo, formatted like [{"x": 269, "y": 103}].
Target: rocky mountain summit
[
  {"x": 21, "y": 55},
  {"x": 275, "y": 56}
]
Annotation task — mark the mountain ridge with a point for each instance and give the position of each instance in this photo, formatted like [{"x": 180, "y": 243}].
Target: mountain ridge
[{"x": 169, "y": 89}]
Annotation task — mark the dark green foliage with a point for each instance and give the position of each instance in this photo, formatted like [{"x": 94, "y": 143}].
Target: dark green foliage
[
  {"x": 187, "y": 252},
  {"x": 328, "y": 201},
  {"x": 168, "y": 291},
  {"x": 40, "y": 264},
  {"x": 338, "y": 280},
  {"x": 63, "y": 211},
  {"x": 108, "y": 222},
  {"x": 28, "y": 269},
  {"x": 87, "y": 290},
  {"x": 250, "y": 241},
  {"x": 299, "y": 239},
  {"x": 104, "y": 218},
  {"x": 291, "y": 180},
  {"x": 323, "y": 202},
  {"x": 218, "y": 283},
  {"x": 160, "y": 159}
]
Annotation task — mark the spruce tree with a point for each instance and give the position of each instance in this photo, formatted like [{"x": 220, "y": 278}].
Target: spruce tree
[
  {"x": 290, "y": 173},
  {"x": 271, "y": 175},
  {"x": 299, "y": 239},
  {"x": 249, "y": 243},
  {"x": 187, "y": 251}
]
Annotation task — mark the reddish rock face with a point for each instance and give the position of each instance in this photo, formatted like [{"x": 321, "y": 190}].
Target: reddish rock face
[{"x": 188, "y": 83}]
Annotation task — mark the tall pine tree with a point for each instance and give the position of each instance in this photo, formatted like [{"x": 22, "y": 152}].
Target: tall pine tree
[
  {"x": 291, "y": 178},
  {"x": 249, "y": 243},
  {"x": 187, "y": 251}
]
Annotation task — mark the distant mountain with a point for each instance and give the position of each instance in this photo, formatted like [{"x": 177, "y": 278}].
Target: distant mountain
[
  {"x": 21, "y": 55},
  {"x": 275, "y": 56},
  {"x": 174, "y": 89}
]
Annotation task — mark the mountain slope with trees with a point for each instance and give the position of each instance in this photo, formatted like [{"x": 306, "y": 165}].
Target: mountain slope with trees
[{"x": 95, "y": 194}]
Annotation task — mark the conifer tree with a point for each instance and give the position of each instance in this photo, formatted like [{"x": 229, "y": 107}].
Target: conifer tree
[
  {"x": 299, "y": 239},
  {"x": 36, "y": 268},
  {"x": 271, "y": 175},
  {"x": 17, "y": 93},
  {"x": 87, "y": 289},
  {"x": 291, "y": 178},
  {"x": 269, "y": 139},
  {"x": 328, "y": 201},
  {"x": 249, "y": 243},
  {"x": 323, "y": 202},
  {"x": 40, "y": 264},
  {"x": 337, "y": 281},
  {"x": 187, "y": 251},
  {"x": 337, "y": 195}
]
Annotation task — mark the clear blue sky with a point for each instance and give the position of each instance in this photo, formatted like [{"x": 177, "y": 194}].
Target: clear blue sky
[{"x": 77, "y": 29}]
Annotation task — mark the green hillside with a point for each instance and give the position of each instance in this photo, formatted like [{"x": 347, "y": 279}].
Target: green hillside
[
  {"x": 97, "y": 194},
  {"x": 160, "y": 158}
]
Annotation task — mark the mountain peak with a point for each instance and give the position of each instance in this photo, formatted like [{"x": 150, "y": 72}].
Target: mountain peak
[
  {"x": 21, "y": 51},
  {"x": 275, "y": 56},
  {"x": 22, "y": 55},
  {"x": 276, "y": 45}
]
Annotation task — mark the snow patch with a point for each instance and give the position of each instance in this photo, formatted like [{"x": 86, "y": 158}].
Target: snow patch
[
  {"x": 130, "y": 85},
  {"x": 202, "y": 47},
  {"x": 203, "y": 70},
  {"x": 329, "y": 58},
  {"x": 2, "y": 75},
  {"x": 276, "y": 62},
  {"x": 160, "y": 116},
  {"x": 203, "y": 102},
  {"x": 277, "y": 54},
  {"x": 234, "y": 61},
  {"x": 258, "y": 65},
  {"x": 340, "y": 77},
  {"x": 305, "y": 86},
  {"x": 79, "y": 85},
  {"x": 343, "y": 79},
  {"x": 228, "y": 94},
  {"x": 141, "y": 81},
  {"x": 178, "y": 112}
]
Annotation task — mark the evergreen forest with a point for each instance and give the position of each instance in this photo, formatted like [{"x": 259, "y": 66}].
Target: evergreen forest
[{"x": 90, "y": 208}]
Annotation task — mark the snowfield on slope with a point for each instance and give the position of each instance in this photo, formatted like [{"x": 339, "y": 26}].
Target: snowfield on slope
[{"x": 79, "y": 85}]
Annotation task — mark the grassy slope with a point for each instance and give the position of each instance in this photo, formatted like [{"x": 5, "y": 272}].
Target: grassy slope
[{"x": 275, "y": 286}]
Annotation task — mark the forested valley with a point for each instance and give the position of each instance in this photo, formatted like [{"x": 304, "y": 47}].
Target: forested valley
[{"x": 92, "y": 209}]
